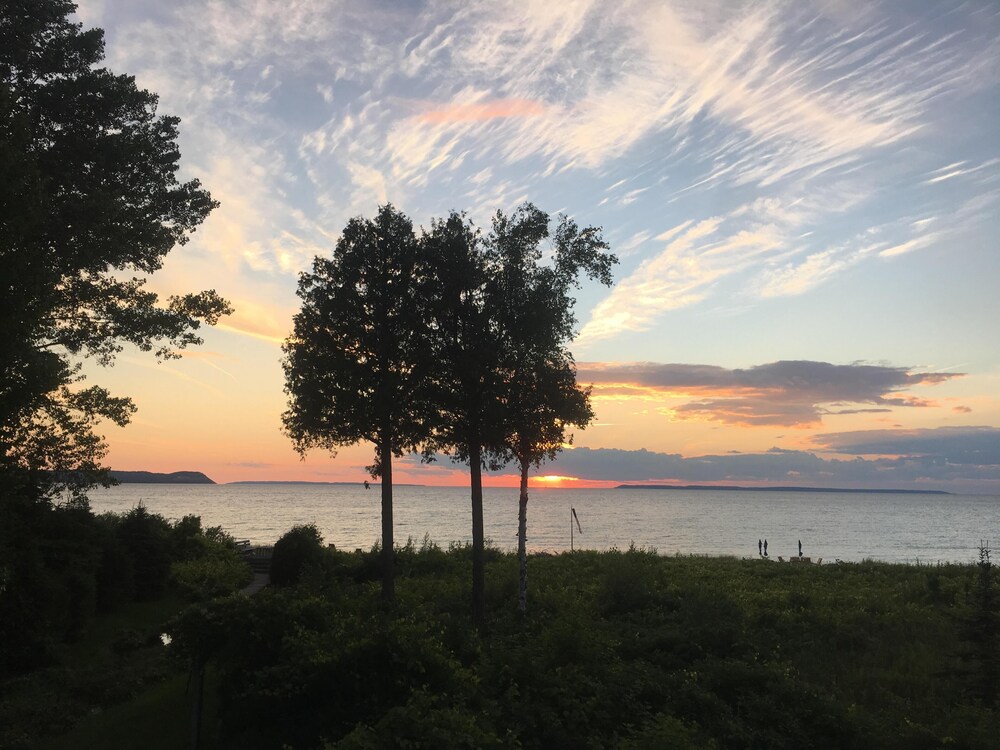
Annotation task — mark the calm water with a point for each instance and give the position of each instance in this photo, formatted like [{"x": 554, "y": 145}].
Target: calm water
[{"x": 925, "y": 528}]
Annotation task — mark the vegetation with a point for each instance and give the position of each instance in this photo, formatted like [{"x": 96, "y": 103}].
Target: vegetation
[
  {"x": 83, "y": 604},
  {"x": 469, "y": 385},
  {"x": 621, "y": 649},
  {"x": 65, "y": 565},
  {"x": 89, "y": 205},
  {"x": 295, "y": 553}
]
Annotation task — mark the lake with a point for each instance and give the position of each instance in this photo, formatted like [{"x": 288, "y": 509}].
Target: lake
[{"x": 848, "y": 526}]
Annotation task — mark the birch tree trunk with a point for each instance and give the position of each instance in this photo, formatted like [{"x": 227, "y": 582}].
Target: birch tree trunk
[{"x": 522, "y": 542}]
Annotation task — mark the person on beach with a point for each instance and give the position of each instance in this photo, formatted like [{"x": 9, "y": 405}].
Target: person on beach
[
  {"x": 759, "y": 548},
  {"x": 765, "y": 548},
  {"x": 800, "y": 548}
]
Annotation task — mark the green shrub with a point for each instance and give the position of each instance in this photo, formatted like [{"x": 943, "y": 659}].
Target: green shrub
[
  {"x": 210, "y": 576},
  {"x": 296, "y": 551}
]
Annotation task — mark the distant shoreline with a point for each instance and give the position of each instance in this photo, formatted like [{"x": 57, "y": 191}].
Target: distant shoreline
[
  {"x": 735, "y": 488},
  {"x": 300, "y": 481},
  {"x": 197, "y": 477}
]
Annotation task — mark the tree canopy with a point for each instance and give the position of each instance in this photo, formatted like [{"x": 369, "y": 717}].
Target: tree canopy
[
  {"x": 534, "y": 309},
  {"x": 358, "y": 364},
  {"x": 90, "y": 204}
]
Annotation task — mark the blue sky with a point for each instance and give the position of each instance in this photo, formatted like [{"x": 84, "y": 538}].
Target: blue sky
[{"x": 784, "y": 182}]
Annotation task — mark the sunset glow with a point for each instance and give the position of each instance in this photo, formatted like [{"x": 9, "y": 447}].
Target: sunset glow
[{"x": 554, "y": 480}]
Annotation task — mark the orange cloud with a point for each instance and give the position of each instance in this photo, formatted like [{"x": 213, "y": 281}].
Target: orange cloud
[{"x": 480, "y": 112}]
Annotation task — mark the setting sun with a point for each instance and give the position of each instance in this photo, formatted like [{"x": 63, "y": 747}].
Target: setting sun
[{"x": 554, "y": 479}]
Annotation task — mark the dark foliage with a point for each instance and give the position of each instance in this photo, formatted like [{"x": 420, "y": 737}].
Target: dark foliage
[
  {"x": 62, "y": 565},
  {"x": 621, "y": 649},
  {"x": 88, "y": 195},
  {"x": 981, "y": 655},
  {"x": 533, "y": 311},
  {"x": 296, "y": 551}
]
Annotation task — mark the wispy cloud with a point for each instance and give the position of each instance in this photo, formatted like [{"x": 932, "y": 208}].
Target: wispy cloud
[
  {"x": 696, "y": 255},
  {"x": 960, "y": 169},
  {"x": 739, "y": 153}
]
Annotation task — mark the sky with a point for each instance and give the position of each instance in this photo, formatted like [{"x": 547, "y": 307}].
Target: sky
[{"x": 803, "y": 196}]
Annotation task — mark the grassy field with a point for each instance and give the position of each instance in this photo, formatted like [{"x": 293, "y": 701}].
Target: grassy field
[{"x": 619, "y": 649}]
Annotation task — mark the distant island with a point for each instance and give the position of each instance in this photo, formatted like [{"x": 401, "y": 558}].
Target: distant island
[
  {"x": 149, "y": 477},
  {"x": 775, "y": 489}
]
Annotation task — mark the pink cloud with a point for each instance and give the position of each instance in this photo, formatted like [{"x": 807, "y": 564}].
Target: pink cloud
[{"x": 482, "y": 111}]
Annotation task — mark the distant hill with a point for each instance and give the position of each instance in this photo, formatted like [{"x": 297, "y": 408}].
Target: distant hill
[
  {"x": 149, "y": 477},
  {"x": 775, "y": 489}
]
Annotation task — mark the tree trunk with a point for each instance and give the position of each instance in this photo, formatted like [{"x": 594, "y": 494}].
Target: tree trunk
[
  {"x": 522, "y": 542},
  {"x": 388, "y": 580},
  {"x": 478, "y": 537}
]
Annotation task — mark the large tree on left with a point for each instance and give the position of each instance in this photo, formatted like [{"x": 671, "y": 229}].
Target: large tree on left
[{"x": 90, "y": 204}]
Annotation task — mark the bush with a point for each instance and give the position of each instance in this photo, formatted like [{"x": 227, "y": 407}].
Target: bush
[
  {"x": 299, "y": 549},
  {"x": 210, "y": 576},
  {"x": 148, "y": 538}
]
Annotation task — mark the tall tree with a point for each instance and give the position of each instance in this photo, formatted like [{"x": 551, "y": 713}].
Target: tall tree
[
  {"x": 467, "y": 380},
  {"x": 357, "y": 364},
  {"x": 535, "y": 311},
  {"x": 507, "y": 386},
  {"x": 88, "y": 196}
]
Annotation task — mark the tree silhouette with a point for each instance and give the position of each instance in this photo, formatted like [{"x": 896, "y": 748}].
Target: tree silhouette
[
  {"x": 357, "y": 366},
  {"x": 506, "y": 385},
  {"x": 88, "y": 196},
  {"x": 535, "y": 310},
  {"x": 467, "y": 383}
]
